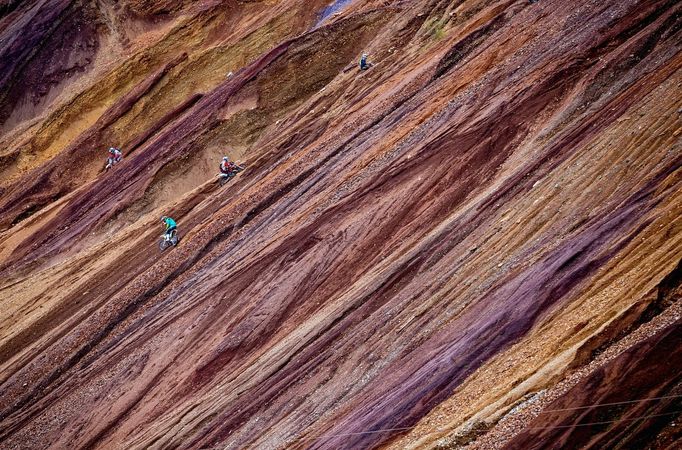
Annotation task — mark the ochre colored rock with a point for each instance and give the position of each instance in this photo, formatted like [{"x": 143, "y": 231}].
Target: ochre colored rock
[{"x": 476, "y": 242}]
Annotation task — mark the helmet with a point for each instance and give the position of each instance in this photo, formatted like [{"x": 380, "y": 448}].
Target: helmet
[
  {"x": 163, "y": 218},
  {"x": 112, "y": 150},
  {"x": 225, "y": 158}
]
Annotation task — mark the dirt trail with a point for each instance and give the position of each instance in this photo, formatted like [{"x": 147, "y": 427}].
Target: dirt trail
[{"x": 439, "y": 252}]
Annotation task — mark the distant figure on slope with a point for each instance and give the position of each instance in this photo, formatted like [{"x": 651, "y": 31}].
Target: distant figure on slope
[
  {"x": 115, "y": 156},
  {"x": 364, "y": 65},
  {"x": 170, "y": 236},
  {"x": 228, "y": 169},
  {"x": 169, "y": 225},
  {"x": 227, "y": 166}
]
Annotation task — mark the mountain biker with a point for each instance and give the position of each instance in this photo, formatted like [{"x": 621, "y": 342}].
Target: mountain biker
[
  {"x": 364, "y": 65},
  {"x": 225, "y": 166},
  {"x": 170, "y": 226},
  {"x": 228, "y": 167},
  {"x": 115, "y": 156}
]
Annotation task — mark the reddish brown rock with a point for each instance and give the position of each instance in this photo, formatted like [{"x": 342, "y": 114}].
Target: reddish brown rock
[{"x": 412, "y": 252}]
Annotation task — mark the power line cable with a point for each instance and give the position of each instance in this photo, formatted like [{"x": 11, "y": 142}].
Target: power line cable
[
  {"x": 541, "y": 428},
  {"x": 384, "y": 430},
  {"x": 531, "y": 428},
  {"x": 605, "y": 422},
  {"x": 370, "y": 432},
  {"x": 611, "y": 404}
]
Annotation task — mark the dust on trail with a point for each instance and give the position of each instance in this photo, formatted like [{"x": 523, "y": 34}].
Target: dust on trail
[{"x": 433, "y": 253}]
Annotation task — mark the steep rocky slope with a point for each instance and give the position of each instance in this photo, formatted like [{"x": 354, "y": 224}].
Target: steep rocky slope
[{"x": 476, "y": 243}]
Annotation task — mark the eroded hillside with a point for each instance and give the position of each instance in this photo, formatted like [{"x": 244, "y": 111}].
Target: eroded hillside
[{"x": 475, "y": 243}]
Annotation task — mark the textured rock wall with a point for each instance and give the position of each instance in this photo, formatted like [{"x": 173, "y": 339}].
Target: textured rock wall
[{"x": 475, "y": 243}]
